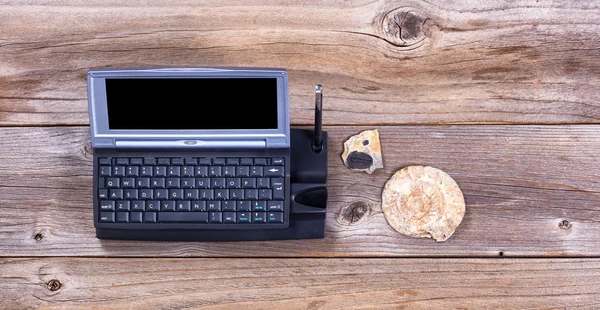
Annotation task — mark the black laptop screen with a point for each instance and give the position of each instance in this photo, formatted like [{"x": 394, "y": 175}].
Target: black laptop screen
[{"x": 191, "y": 103}]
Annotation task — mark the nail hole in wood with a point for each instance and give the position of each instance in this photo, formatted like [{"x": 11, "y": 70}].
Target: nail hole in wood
[
  {"x": 39, "y": 237},
  {"x": 564, "y": 224},
  {"x": 54, "y": 285},
  {"x": 501, "y": 253}
]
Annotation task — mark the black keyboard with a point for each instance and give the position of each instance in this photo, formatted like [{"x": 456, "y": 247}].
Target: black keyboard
[{"x": 212, "y": 191}]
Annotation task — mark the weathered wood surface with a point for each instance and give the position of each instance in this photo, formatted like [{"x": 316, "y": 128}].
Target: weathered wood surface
[
  {"x": 125, "y": 283},
  {"x": 381, "y": 62},
  {"x": 520, "y": 184}
]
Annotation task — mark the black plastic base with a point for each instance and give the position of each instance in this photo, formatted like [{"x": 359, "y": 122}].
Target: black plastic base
[{"x": 308, "y": 173}]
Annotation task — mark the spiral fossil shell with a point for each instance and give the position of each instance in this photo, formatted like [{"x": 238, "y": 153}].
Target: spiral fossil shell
[{"x": 423, "y": 202}]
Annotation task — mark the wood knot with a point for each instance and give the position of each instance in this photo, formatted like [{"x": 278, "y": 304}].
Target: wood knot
[
  {"x": 405, "y": 27},
  {"x": 564, "y": 224},
  {"x": 54, "y": 285},
  {"x": 39, "y": 237},
  {"x": 354, "y": 212}
]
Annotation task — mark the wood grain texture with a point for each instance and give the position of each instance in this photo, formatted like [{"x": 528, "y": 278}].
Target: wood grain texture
[
  {"x": 381, "y": 62},
  {"x": 133, "y": 283},
  {"x": 529, "y": 191}
]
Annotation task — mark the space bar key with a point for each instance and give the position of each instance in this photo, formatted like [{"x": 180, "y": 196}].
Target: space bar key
[{"x": 183, "y": 217}]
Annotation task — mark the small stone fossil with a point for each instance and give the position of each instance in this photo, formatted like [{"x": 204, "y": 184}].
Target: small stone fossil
[
  {"x": 362, "y": 152},
  {"x": 423, "y": 202}
]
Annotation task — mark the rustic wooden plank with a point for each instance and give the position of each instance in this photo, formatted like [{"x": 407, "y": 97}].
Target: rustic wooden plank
[
  {"x": 520, "y": 184},
  {"x": 381, "y": 62},
  {"x": 121, "y": 283}
]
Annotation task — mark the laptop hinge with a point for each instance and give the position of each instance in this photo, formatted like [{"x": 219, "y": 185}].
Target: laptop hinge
[{"x": 191, "y": 144}]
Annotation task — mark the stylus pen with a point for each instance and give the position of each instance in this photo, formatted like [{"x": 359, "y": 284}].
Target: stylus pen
[{"x": 318, "y": 143}]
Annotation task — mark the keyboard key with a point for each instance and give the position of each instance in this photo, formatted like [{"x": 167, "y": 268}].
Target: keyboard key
[
  {"x": 191, "y": 161},
  {"x": 259, "y": 217},
  {"x": 246, "y": 162},
  {"x": 187, "y": 171},
  {"x": 204, "y": 161},
  {"x": 242, "y": 171},
  {"x": 174, "y": 171},
  {"x": 131, "y": 194},
  {"x": 164, "y": 161},
  {"x": 190, "y": 194},
  {"x": 150, "y": 161},
  {"x": 259, "y": 206},
  {"x": 160, "y": 171},
  {"x": 213, "y": 205},
  {"x": 265, "y": 194},
  {"x": 243, "y": 217},
  {"x": 275, "y": 217},
  {"x": 264, "y": 183},
  {"x": 107, "y": 217},
  {"x": 150, "y": 217},
  {"x": 219, "y": 161},
  {"x": 132, "y": 171},
  {"x": 277, "y": 161},
  {"x": 127, "y": 182},
  {"x": 229, "y": 171},
  {"x": 215, "y": 217},
  {"x": 146, "y": 194},
  {"x": 113, "y": 182},
  {"x": 177, "y": 161},
  {"x": 228, "y": 205},
  {"x": 275, "y": 206},
  {"x": 243, "y": 206},
  {"x": 104, "y": 161},
  {"x": 173, "y": 183},
  {"x": 249, "y": 183},
  {"x": 146, "y": 171},
  {"x": 135, "y": 217},
  {"x": 188, "y": 182},
  {"x": 101, "y": 182},
  {"x": 202, "y": 171},
  {"x": 233, "y": 161},
  {"x": 278, "y": 192},
  {"x": 251, "y": 194},
  {"x": 152, "y": 205},
  {"x": 183, "y": 217},
  {"x": 214, "y": 171},
  {"x": 207, "y": 194},
  {"x": 274, "y": 171},
  {"x": 138, "y": 205},
  {"x": 118, "y": 171},
  {"x": 107, "y": 205},
  {"x": 167, "y": 205},
  {"x": 136, "y": 161},
  {"x": 123, "y": 205},
  {"x": 256, "y": 171},
  {"x": 161, "y": 194},
  {"x": 198, "y": 205},
  {"x": 229, "y": 218},
  {"x": 217, "y": 182},
  {"x": 158, "y": 183},
  {"x": 122, "y": 161},
  {"x": 176, "y": 194},
  {"x": 115, "y": 194},
  {"x": 221, "y": 194},
  {"x": 184, "y": 206},
  {"x": 202, "y": 182},
  {"x": 123, "y": 217},
  {"x": 233, "y": 183},
  {"x": 142, "y": 182},
  {"x": 236, "y": 194},
  {"x": 102, "y": 194},
  {"x": 104, "y": 171},
  {"x": 260, "y": 161}
]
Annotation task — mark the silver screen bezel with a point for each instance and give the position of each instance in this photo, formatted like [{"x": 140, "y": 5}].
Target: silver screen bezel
[{"x": 98, "y": 109}]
